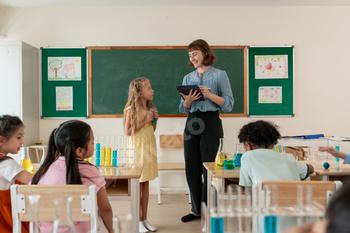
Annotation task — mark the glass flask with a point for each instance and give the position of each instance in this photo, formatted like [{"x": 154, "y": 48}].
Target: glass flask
[
  {"x": 34, "y": 205},
  {"x": 116, "y": 225},
  {"x": 42, "y": 157},
  {"x": 221, "y": 155},
  {"x": 25, "y": 162},
  {"x": 238, "y": 154},
  {"x": 63, "y": 219}
]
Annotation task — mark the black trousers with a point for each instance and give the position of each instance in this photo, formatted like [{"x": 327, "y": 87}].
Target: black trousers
[{"x": 201, "y": 141}]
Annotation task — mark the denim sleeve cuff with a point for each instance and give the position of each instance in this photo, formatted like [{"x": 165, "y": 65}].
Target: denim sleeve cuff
[
  {"x": 183, "y": 109},
  {"x": 347, "y": 158},
  {"x": 227, "y": 105}
]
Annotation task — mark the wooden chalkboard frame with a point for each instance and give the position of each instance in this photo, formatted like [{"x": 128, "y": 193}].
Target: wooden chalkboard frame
[{"x": 90, "y": 49}]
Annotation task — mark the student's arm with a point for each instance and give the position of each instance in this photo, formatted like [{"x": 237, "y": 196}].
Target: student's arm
[
  {"x": 105, "y": 209},
  {"x": 24, "y": 177},
  {"x": 127, "y": 127},
  {"x": 333, "y": 152}
]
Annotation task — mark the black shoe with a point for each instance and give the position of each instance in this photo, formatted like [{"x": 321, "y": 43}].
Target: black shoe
[{"x": 189, "y": 217}]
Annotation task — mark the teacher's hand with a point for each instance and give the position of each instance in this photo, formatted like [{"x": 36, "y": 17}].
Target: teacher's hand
[
  {"x": 192, "y": 96},
  {"x": 205, "y": 91}
]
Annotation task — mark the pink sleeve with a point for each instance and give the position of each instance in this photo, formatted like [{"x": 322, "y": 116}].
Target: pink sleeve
[{"x": 91, "y": 175}]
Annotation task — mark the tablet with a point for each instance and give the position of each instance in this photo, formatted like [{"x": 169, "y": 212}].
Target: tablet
[{"x": 187, "y": 88}]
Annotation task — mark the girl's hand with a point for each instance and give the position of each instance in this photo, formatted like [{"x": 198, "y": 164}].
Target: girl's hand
[
  {"x": 205, "y": 91},
  {"x": 149, "y": 117},
  {"x": 156, "y": 115},
  {"x": 192, "y": 96}
]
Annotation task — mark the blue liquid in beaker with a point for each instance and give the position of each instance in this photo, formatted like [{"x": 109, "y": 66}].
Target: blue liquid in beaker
[
  {"x": 270, "y": 223},
  {"x": 217, "y": 225},
  {"x": 238, "y": 160},
  {"x": 337, "y": 159}
]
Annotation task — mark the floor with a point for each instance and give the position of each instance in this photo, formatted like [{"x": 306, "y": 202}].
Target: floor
[{"x": 166, "y": 217}]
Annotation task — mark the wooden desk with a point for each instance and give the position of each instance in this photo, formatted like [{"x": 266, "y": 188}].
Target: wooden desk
[
  {"x": 123, "y": 186},
  {"x": 337, "y": 169},
  {"x": 216, "y": 176}
]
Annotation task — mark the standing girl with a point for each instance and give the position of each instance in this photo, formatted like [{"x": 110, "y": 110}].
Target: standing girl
[
  {"x": 11, "y": 140},
  {"x": 138, "y": 119},
  {"x": 203, "y": 126},
  {"x": 69, "y": 145}
]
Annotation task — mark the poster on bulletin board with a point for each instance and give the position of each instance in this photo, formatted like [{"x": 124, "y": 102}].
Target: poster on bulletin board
[
  {"x": 64, "y": 82},
  {"x": 271, "y": 81}
]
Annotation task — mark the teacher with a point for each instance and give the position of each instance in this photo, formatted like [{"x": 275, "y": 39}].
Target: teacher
[{"x": 203, "y": 126}]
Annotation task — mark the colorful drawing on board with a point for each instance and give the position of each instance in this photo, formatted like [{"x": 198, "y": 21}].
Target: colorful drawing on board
[
  {"x": 64, "y": 98},
  {"x": 270, "y": 95},
  {"x": 64, "y": 69},
  {"x": 271, "y": 67}
]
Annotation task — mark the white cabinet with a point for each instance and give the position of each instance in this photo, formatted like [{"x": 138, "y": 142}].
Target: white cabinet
[{"x": 19, "y": 85}]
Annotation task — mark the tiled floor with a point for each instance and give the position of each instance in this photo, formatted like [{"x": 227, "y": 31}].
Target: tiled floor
[{"x": 166, "y": 217}]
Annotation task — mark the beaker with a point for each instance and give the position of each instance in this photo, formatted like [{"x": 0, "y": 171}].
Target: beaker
[
  {"x": 118, "y": 221},
  {"x": 63, "y": 217},
  {"x": 221, "y": 155},
  {"x": 34, "y": 214},
  {"x": 25, "y": 162},
  {"x": 270, "y": 208},
  {"x": 238, "y": 154},
  {"x": 42, "y": 157}
]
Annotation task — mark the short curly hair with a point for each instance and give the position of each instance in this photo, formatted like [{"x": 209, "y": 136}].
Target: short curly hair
[{"x": 259, "y": 133}]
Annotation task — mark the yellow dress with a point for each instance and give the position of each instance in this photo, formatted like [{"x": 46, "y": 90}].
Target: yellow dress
[{"x": 144, "y": 142}]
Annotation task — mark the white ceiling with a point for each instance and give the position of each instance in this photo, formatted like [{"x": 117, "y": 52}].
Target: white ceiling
[{"x": 67, "y": 3}]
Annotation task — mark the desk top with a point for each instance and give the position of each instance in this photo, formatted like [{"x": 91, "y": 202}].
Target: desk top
[
  {"x": 114, "y": 172},
  {"x": 220, "y": 172},
  {"x": 337, "y": 169}
]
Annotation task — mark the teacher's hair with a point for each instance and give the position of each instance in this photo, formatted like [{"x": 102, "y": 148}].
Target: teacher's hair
[{"x": 203, "y": 46}]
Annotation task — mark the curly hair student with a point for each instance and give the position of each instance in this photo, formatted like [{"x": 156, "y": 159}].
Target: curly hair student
[{"x": 260, "y": 162}]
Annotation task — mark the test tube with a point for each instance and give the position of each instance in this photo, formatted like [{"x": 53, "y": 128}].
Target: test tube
[
  {"x": 98, "y": 151},
  {"x": 270, "y": 211},
  {"x": 217, "y": 221},
  {"x": 116, "y": 225},
  {"x": 115, "y": 151},
  {"x": 109, "y": 151},
  {"x": 204, "y": 217},
  {"x": 337, "y": 145},
  {"x": 103, "y": 152}
]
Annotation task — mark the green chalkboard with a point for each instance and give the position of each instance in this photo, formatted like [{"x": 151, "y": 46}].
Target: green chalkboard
[
  {"x": 111, "y": 69},
  {"x": 271, "y": 81},
  {"x": 53, "y": 85}
]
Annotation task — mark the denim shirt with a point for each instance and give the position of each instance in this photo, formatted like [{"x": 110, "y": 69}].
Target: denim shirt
[
  {"x": 219, "y": 85},
  {"x": 347, "y": 158}
]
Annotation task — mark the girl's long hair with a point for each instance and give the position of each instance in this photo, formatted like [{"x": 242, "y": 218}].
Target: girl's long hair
[
  {"x": 134, "y": 102},
  {"x": 64, "y": 141},
  {"x": 8, "y": 126}
]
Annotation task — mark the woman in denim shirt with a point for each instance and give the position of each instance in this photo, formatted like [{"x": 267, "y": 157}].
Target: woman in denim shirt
[{"x": 203, "y": 126}]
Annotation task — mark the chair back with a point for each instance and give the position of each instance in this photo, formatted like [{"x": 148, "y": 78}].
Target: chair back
[
  {"x": 83, "y": 205},
  {"x": 287, "y": 191}
]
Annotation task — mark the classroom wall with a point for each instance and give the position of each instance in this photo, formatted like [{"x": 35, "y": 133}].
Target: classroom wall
[{"x": 320, "y": 36}]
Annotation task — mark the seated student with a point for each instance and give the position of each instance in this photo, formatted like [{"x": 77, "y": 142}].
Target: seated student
[
  {"x": 11, "y": 140},
  {"x": 337, "y": 215},
  {"x": 260, "y": 162},
  {"x": 69, "y": 145},
  {"x": 336, "y": 153}
]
